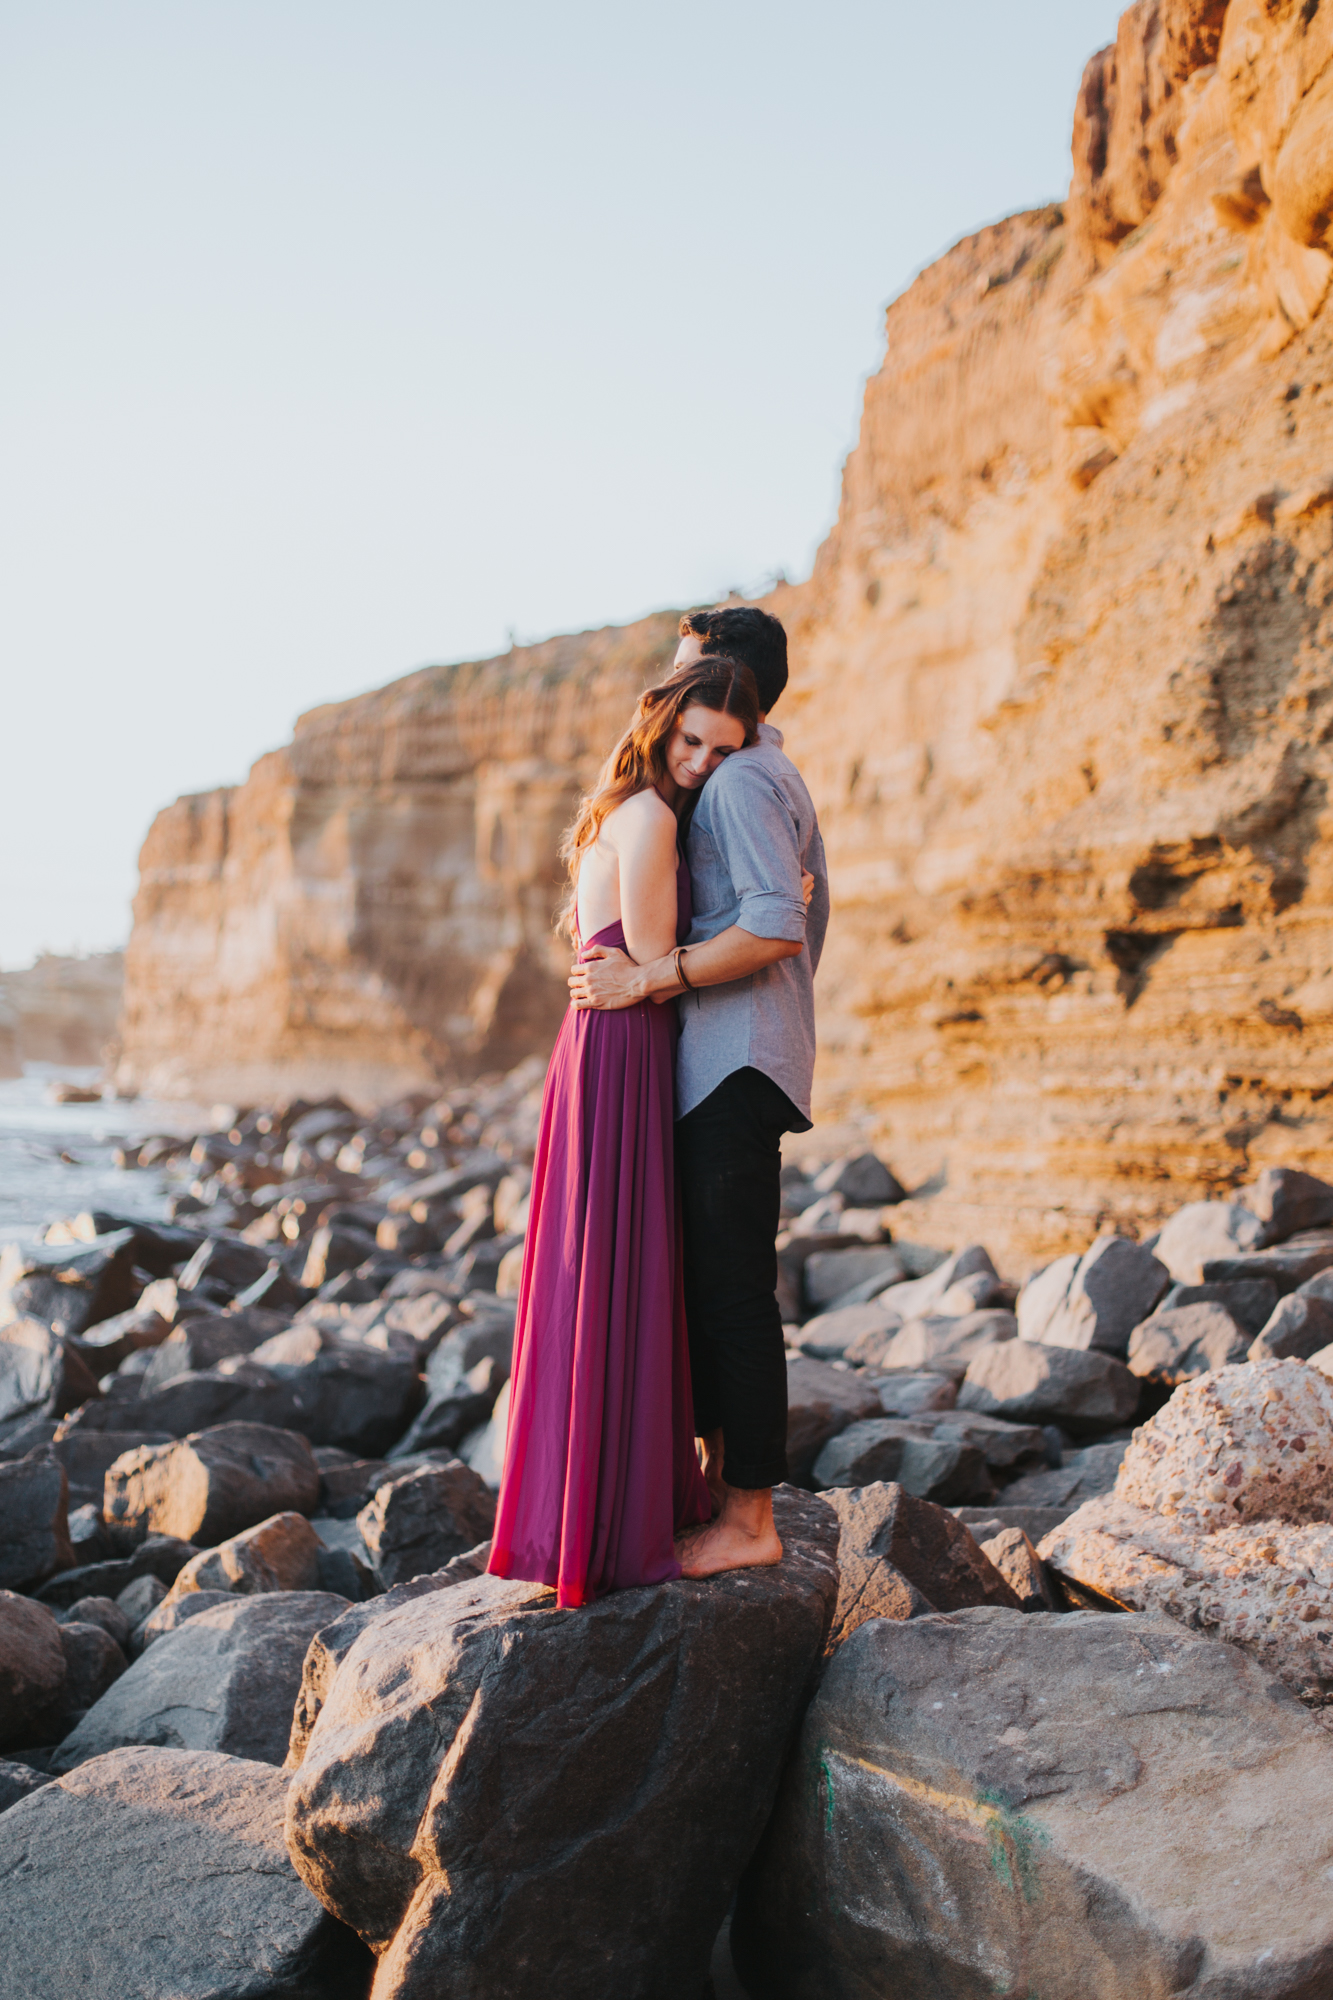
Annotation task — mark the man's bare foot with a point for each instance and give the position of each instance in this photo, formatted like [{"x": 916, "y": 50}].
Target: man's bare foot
[{"x": 742, "y": 1537}]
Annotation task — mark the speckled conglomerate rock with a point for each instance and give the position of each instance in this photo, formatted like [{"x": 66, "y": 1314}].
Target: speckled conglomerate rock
[{"x": 1222, "y": 1516}]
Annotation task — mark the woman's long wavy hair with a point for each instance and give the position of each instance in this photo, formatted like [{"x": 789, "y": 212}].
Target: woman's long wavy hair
[{"x": 639, "y": 759}]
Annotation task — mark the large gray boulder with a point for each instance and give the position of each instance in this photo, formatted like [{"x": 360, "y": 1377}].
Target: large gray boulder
[
  {"x": 1108, "y": 1291},
  {"x": 32, "y": 1668},
  {"x": 821, "y": 1401},
  {"x": 1286, "y": 1201},
  {"x": 185, "y": 1891},
  {"x": 1204, "y": 1231},
  {"x": 1288, "y": 1265},
  {"x": 899, "y": 1555},
  {"x": 829, "y": 1274},
  {"x": 162, "y": 1556},
  {"x": 941, "y": 1343},
  {"x": 1180, "y": 1342},
  {"x": 213, "y": 1484},
  {"x": 1029, "y": 1382},
  {"x": 282, "y": 1553},
  {"x": 34, "y": 1520},
  {"x": 1299, "y": 1326},
  {"x": 70, "y": 1286},
  {"x": 946, "y": 1469},
  {"x": 41, "y": 1372},
  {"x": 332, "y": 1643},
  {"x": 506, "y": 1798},
  {"x": 420, "y": 1520},
  {"x": 205, "y": 1339},
  {"x": 225, "y": 1680},
  {"x": 88, "y": 1456},
  {"x": 1082, "y": 1476},
  {"x": 18, "y": 1781},
  {"x": 1248, "y": 1300},
  {"x": 971, "y": 1812}
]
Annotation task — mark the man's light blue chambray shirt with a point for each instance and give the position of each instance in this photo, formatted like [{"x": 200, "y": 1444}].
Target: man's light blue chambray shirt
[{"x": 753, "y": 831}]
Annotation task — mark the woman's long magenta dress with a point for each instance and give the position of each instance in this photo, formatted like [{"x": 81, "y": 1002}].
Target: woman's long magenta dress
[{"x": 600, "y": 1468}]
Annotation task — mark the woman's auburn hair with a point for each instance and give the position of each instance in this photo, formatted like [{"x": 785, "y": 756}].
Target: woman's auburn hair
[{"x": 638, "y": 762}]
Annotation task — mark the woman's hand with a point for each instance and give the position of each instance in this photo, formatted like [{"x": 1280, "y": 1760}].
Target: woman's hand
[{"x": 807, "y": 886}]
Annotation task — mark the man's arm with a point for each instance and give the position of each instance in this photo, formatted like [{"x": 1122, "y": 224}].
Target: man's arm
[
  {"x": 609, "y": 980},
  {"x": 757, "y": 835}
]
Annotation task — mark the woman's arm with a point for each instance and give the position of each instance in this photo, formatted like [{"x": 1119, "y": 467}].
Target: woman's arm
[{"x": 644, "y": 834}]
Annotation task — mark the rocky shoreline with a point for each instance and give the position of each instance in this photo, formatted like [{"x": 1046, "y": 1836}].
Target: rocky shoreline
[{"x": 1049, "y": 1650}]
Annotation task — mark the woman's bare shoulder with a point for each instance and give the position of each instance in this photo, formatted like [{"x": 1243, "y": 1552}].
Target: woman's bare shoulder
[{"x": 646, "y": 816}]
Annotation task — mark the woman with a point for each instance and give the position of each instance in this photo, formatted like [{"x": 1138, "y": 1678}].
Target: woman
[{"x": 600, "y": 1469}]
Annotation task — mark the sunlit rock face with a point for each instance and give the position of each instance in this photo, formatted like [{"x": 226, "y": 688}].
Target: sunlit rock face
[
  {"x": 1060, "y": 689},
  {"x": 1063, "y": 688},
  {"x": 373, "y": 907}
]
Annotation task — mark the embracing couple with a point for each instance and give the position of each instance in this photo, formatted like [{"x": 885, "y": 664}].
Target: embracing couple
[{"x": 647, "y": 1314}]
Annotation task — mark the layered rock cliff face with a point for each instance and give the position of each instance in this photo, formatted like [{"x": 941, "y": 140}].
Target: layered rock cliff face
[
  {"x": 373, "y": 906},
  {"x": 1060, "y": 689}
]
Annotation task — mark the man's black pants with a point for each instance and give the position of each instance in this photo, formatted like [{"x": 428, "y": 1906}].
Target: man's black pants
[{"x": 728, "y": 1151}]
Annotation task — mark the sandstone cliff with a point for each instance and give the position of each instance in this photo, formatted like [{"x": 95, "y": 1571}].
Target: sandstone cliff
[
  {"x": 1060, "y": 691},
  {"x": 373, "y": 906}
]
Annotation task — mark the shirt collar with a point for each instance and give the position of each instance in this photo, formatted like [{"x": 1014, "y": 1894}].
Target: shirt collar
[{"x": 768, "y": 734}]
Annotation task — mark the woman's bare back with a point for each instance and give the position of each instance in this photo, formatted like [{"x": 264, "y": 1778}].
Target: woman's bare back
[{"x": 628, "y": 876}]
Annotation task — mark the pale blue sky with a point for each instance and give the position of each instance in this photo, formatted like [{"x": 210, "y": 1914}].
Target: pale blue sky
[{"x": 342, "y": 338}]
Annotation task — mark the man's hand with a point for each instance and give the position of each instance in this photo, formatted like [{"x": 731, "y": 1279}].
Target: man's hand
[{"x": 605, "y": 979}]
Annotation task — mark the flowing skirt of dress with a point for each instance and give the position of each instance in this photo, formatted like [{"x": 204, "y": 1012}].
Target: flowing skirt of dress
[{"x": 600, "y": 1468}]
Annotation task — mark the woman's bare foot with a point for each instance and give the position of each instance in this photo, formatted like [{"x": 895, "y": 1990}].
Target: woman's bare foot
[{"x": 742, "y": 1537}]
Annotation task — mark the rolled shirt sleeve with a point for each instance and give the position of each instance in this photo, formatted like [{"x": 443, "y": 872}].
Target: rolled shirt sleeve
[{"x": 755, "y": 828}]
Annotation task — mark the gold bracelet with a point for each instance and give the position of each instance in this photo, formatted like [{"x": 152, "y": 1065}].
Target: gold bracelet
[{"x": 678, "y": 955}]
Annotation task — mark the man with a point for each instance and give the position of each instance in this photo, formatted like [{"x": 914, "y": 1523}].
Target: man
[{"x": 744, "y": 1072}]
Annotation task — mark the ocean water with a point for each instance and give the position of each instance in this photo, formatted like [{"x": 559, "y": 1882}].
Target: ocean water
[{"x": 55, "y": 1159}]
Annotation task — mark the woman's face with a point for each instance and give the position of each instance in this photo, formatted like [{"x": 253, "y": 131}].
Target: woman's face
[{"x": 701, "y": 739}]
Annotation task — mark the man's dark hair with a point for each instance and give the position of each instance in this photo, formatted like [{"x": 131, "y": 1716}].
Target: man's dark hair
[{"x": 754, "y": 637}]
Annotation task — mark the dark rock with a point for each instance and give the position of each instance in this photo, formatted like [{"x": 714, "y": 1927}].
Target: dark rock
[
  {"x": 1249, "y": 1301},
  {"x": 1180, "y": 1342},
  {"x": 185, "y": 1889},
  {"x": 140, "y": 1599},
  {"x": 881, "y": 1527},
  {"x": 1299, "y": 1326},
  {"x": 862, "y": 1180},
  {"x": 1083, "y": 1476},
  {"x": 829, "y": 1274},
  {"x": 1202, "y": 1231},
  {"x": 821, "y": 1401},
  {"x": 109, "y": 1344},
  {"x": 1287, "y": 1266},
  {"x": 351, "y": 1395},
  {"x": 20, "y": 1435},
  {"x": 161, "y": 1556},
  {"x": 71, "y": 1286},
  {"x": 549, "y": 1788},
  {"x": 420, "y": 1520},
  {"x": 426, "y": 1319},
  {"x": 1287, "y": 1201},
  {"x": 1006, "y": 1447},
  {"x": 1110, "y": 1289},
  {"x": 945, "y": 1344},
  {"x": 32, "y": 1667},
  {"x": 447, "y": 1420},
  {"x": 335, "y": 1248},
  {"x": 204, "y": 1339},
  {"x": 407, "y": 1236},
  {"x": 332, "y": 1643},
  {"x": 41, "y": 1371},
  {"x": 213, "y": 1484},
  {"x": 1029, "y": 1382},
  {"x": 159, "y": 1247},
  {"x": 1022, "y": 1568},
  {"x": 18, "y": 1781},
  {"x": 103, "y": 1611},
  {"x": 910, "y": 1394},
  {"x": 88, "y": 1456},
  {"x": 172, "y": 1612},
  {"x": 969, "y": 1812},
  {"x": 34, "y": 1520},
  {"x": 482, "y": 1169},
  {"x": 88, "y": 1536},
  {"x": 94, "y": 1662},
  {"x": 281, "y": 1553},
  {"x": 226, "y": 1265},
  {"x": 274, "y": 1290},
  {"x": 479, "y": 1268},
  {"x": 882, "y": 1448},
  {"x": 224, "y": 1680},
  {"x": 478, "y": 1337},
  {"x": 987, "y": 1522},
  {"x": 346, "y": 1483}
]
